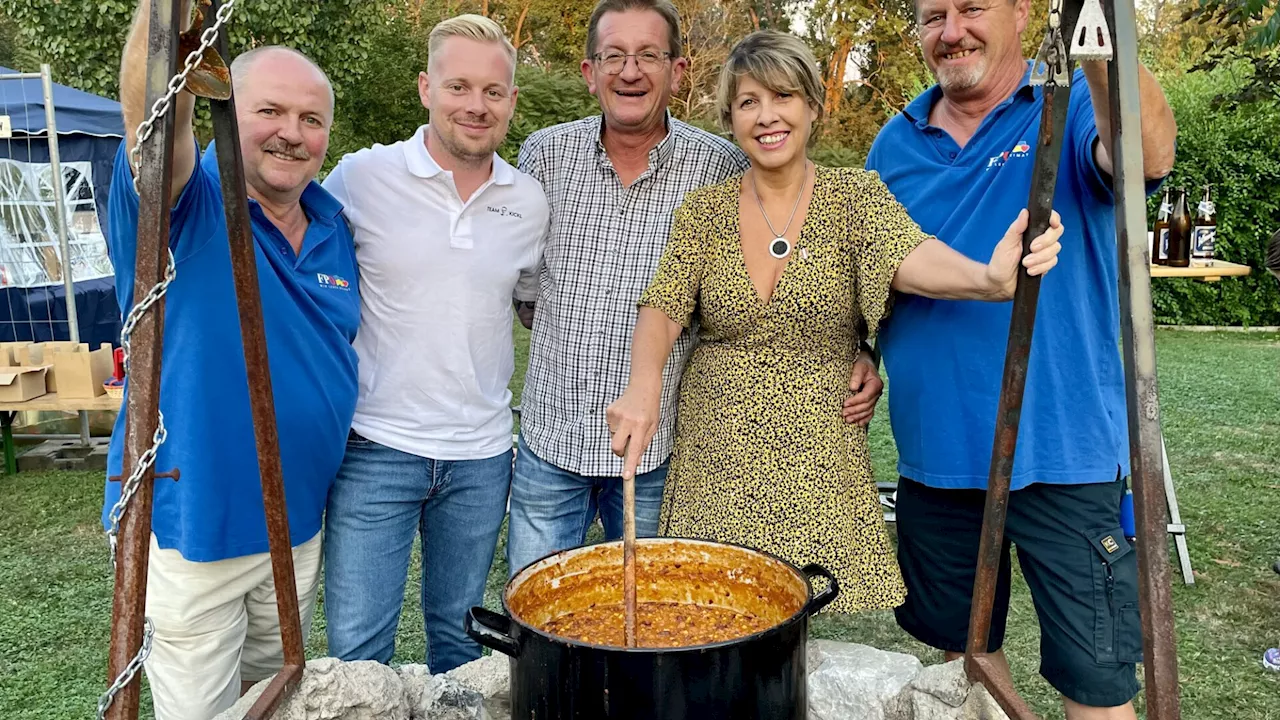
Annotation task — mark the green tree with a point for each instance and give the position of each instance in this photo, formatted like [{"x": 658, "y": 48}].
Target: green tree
[
  {"x": 871, "y": 63},
  {"x": 13, "y": 52},
  {"x": 1243, "y": 30},
  {"x": 82, "y": 39},
  {"x": 546, "y": 98},
  {"x": 381, "y": 104},
  {"x": 1259, "y": 17},
  {"x": 711, "y": 28},
  {"x": 774, "y": 14},
  {"x": 548, "y": 33}
]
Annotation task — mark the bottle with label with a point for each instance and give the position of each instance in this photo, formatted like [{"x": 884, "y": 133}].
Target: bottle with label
[
  {"x": 1180, "y": 232},
  {"x": 1205, "y": 230},
  {"x": 1160, "y": 233}
]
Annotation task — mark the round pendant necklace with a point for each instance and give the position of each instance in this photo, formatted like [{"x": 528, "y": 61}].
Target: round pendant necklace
[{"x": 780, "y": 246}]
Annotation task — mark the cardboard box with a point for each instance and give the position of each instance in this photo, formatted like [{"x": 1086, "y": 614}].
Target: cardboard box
[
  {"x": 22, "y": 383},
  {"x": 36, "y": 354},
  {"x": 82, "y": 371}
]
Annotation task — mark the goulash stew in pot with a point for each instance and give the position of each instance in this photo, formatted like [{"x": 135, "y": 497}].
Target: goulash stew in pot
[
  {"x": 658, "y": 625},
  {"x": 688, "y": 593}
]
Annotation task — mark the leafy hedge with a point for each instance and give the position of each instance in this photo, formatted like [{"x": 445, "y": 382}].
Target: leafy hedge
[
  {"x": 1235, "y": 147},
  {"x": 546, "y": 99}
]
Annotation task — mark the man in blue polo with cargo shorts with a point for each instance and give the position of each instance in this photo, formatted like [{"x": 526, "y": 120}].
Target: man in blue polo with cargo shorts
[
  {"x": 210, "y": 591},
  {"x": 960, "y": 157}
]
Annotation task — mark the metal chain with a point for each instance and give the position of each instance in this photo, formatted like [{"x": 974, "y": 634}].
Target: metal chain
[
  {"x": 176, "y": 84},
  {"x": 1049, "y": 66},
  {"x": 129, "y": 487},
  {"x": 130, "y": 670}
]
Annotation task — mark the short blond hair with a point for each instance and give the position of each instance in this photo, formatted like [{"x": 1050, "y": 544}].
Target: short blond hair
[
  {"x": 472, "y": 27},
  {"x": 780, "y": 61}
]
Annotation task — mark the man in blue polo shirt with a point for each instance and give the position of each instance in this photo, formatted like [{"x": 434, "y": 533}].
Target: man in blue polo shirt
[
  {"x": 210, "y": 592},
  {"x": 959, "y": 157}
]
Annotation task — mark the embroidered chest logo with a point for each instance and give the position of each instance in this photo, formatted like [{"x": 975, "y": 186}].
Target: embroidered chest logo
[
  {"x": 1021, "y": 150},
  {"x": 503, "y": 211},
  {"x": 332, "y": 281}
]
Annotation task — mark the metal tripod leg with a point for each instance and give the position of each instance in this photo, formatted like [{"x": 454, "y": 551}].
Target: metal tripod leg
[{"x": 1176, "y": 528}]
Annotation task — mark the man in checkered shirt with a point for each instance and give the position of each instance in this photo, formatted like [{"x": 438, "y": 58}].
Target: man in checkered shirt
[{"x": 613, "y": 182}]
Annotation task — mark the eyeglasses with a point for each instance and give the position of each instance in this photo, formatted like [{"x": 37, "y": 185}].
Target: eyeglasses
[{"x": 612, "y": 62}]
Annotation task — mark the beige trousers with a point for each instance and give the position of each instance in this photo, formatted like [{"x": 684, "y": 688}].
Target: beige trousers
[{"x": 216, "y": 624}]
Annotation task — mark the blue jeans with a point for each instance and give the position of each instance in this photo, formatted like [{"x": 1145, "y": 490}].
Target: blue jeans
[
  {"x": 379, "y": 501},
  {"x": 552, "y": 508}
]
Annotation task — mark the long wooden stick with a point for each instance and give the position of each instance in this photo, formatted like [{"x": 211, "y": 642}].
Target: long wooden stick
[{"x": 629, "y": 554}]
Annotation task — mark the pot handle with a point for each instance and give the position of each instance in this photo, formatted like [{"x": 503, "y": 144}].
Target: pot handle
[
  {"x": 823, "y": 598},
  {"x": 491, "y": 630}
]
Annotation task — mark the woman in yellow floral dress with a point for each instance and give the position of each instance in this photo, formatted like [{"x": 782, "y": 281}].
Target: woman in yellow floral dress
[{"x": 787, "y": 268}]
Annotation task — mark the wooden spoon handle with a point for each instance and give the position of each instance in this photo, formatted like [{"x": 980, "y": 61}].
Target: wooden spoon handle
[{"x": 629, "y": 555}]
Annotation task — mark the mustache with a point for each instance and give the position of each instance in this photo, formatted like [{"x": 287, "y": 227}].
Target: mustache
[
  {"x": 944, "y": 49},
  {"x": 297, "y": 152},
  {"x": 482, "y": 120}
]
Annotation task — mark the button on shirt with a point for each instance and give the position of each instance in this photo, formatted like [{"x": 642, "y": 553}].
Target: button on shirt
[
  {"x": 603, "y": 247},
  {"x": 310, "y": 308},
  {"x": 945, "y": 357},
  {"x": 437, "y": 277}
]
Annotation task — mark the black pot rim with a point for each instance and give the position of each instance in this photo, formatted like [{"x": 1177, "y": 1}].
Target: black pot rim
[{"x": 797, "y": 617}]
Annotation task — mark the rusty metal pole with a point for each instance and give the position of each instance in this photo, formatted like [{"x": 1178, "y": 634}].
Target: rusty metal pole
[
  {"x": 1018, "y": 352},
  {"x": 155, "y": 183},
  {"x": 261, "y": 400},
  {"x": 1137, "y": 329},
  {"x": 1056, "y": 91}
]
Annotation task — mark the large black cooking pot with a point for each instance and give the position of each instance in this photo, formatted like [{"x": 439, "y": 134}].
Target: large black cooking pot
[{"x": 757, "y": 677}]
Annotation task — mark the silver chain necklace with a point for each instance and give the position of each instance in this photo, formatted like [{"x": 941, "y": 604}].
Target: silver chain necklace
[{"x": 780, "y": 246}]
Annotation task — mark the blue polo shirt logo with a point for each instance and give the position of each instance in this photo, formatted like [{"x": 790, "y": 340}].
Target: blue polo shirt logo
[
  {"x": 333, "y": 281},
  {"x": 1021, "y": 150}
]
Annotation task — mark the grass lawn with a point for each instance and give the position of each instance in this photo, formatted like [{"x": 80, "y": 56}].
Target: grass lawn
[{"x": 1221, "y": 418}]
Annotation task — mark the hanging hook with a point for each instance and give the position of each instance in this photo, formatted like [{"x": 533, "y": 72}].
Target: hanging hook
[
  {"x": 1050, "y": 65},
  {"x": 210, "y": 78},
  {"x": 1092, "y": 38}
]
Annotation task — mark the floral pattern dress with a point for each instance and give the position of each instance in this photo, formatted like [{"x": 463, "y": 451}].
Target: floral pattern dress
[{"x": 762, "y": 455}]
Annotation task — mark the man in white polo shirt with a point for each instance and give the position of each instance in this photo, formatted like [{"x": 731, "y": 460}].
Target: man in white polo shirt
[{"x": 447, "y": 234}]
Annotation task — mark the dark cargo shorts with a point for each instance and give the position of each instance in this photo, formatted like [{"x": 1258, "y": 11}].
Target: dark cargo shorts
[{"x": 1082, "y": 572}]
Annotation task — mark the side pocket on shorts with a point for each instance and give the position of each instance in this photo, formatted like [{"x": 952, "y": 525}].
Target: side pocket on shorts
[
  {"x": 1117, "y": 629},
  {"x": 1129, "y": 634}
]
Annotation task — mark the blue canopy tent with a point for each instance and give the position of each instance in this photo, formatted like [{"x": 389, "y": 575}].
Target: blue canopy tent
[{"x": 32, "y": 299}]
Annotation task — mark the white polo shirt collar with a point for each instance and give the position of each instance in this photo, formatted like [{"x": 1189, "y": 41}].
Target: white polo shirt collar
[{"x": 421, "y": 164}]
